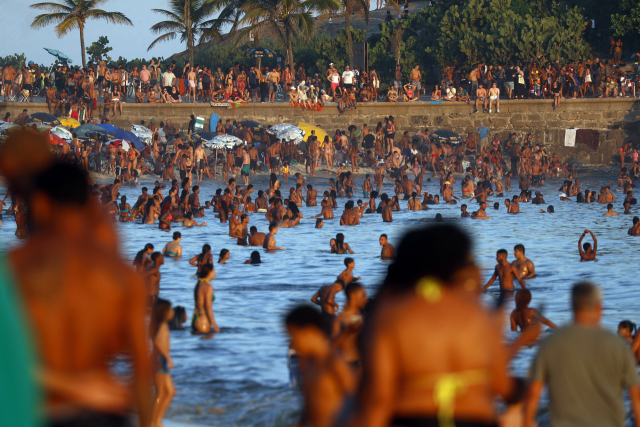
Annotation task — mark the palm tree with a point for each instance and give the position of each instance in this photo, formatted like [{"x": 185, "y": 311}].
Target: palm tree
[
  {"x": 186, "y": 18},
  {"x": 285, "y": 19},
  {"x": 355, "y": 6},
  {"x": 72, "y": 14}
]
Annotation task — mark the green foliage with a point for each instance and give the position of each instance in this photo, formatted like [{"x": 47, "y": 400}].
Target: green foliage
[
  {"x": 469, "y": 35},
  {"x": 627, "y": 20},
  {"x": 98, "y": 50},
  {"x": 17, "y": 60}
]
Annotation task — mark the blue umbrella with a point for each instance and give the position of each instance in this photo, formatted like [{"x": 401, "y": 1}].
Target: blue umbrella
[
  {"x": 61, "y": 56},
  {"x": 129, "y": 137},
  {"x": 89, "y": 131},
  {"x": 107, "y": 126}
]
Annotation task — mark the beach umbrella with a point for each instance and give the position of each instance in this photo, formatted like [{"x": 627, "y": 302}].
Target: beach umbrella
[
  {"x": 294, "y": 134},
  {"x": 4, "y": 126},
  {"x": 274, "y": 130},
  {"x": 41, "y": 127},
  {"x": 120, "y": 143},
  {"x": 54, "y": 139},
  {"x": 202, "y": 136},
  {"x": 61, "y": 132},
  {"x": 229, "y": 140},
  {"x": 255, "y": 126},
  {"x": 144, "y": 133},
  {"x": 69, "y": 122},
  {"x": 129, "y": 137},
  {"x": 108, "y": 127},
  {"x": 446, "y": 135},
  {"x": 47, "y": 118},
  {"x": 260, "y": 52},
  {"x": 61, "y": 56},
  {"x": 307, "y": 128},
  {"x": 89, "y": 131}
]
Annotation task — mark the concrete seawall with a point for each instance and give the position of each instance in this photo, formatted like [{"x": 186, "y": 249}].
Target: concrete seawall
[{"x": 616, "y": 120}]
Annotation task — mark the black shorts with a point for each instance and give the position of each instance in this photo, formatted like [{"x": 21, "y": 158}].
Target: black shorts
[
  {"x": 183, "y": 174},
  {"x": 274, "y": 162},
  {"x": 26, "y": 86},
  {"x": 100, "y": 79},
  {"x": 206, "y": 85},
  {"x": 348, "y": 85},
  {"x": 200, "y": 164},
  {"x": 238, "y": 161},
  {"x": 253, "y": 163}
]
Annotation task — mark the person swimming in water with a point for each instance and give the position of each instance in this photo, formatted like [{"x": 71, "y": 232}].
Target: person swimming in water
[
  {"x": 524, "y": 316},
  {"x": 255, "y": 258},
  {"x": 204, "y": 258},
  {"x": 587, "y": 253},
  {"x": 505, "y": 272},
  {"x": 173, "y": 249}
]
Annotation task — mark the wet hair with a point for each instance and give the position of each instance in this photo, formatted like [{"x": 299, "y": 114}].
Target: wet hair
[
  {"x": 496, "y": 205},
  {"x": 255, "y": 257},
  {"x": 629, "y": 325},
  {"x": 523, "y": 298},
  {"x": 206, "y": 248},
  {"x": 385, "y": 236},
  {"x": 502, "y": 251},
  {"x": 294, "y": 210},
  {"x": 585, "y": 296},
  {"x": 148, "y": 246},
  {"x": 519, "y": 247},
  {"x": 319, "y": 221},
  {"x": 347, "y": 261},
  {"x": 305, "y": 316},
  {"x": 415, "y": 258},
  {"x": 175, "y": 323},
  {"x": 158, "y": 315},
  {"x": 340, "y": 243},
  {"x": 439, "y": 217},
  {"x": 351, "y": 288},
  {"x": 635, "y": 220},
  {"x": 586, "y": 246},
  {"x": 349, "y": 205},
  {"x": 176, "y": 235},
  {"x": 64, "y": 184},
  {"x": 272, "y": 226},
  {"x": 223, "y": 253},
  {"x": 551, "y": 209}
]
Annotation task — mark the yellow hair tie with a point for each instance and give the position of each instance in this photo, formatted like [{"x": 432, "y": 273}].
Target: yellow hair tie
[{"x": 429, "y": 289}]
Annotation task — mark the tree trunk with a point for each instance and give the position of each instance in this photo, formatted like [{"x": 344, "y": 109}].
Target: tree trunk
[
  {"x": 187, "y": 23},
  {"x": 84, "y": 61},
  {"x": 287, "y": 35},
  {"x": 347, "y": 18},
  {"x": 256, "y": 43}
]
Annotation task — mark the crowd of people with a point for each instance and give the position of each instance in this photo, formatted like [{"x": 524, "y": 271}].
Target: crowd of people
[{"x": 392, "y": 355}]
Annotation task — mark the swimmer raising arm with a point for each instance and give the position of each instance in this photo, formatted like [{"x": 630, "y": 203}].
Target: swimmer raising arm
[{"x": 588, "y": 254}]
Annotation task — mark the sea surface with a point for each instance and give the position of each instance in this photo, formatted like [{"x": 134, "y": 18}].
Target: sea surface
[{"x": 240, "y": 377}]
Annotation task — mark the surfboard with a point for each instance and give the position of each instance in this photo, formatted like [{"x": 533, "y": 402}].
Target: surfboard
[{"x": 213, "y": 122}]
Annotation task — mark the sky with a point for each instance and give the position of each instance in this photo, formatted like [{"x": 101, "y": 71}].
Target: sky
[{"x": 126, "y": 41}]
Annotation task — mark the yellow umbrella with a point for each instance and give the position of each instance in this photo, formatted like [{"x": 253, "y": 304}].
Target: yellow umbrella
[
  {"x": 307, "y": 128},
  {"x": 69, "y": 122}
]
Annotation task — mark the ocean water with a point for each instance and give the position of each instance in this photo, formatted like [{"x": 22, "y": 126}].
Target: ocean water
[{"x": 240, "y": 376}]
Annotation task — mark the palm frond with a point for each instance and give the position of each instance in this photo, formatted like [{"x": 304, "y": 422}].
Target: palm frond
[
  {"x": 71, "y": 23},
  {"x": 46, "y": 19},
  {"x": 52, "y": 7},
  {"x": 164, "y": 26},
  {"x": 162, "y": 38},
  {"x": 111, "y": 17},
  {"x": 169, "y": 14}
]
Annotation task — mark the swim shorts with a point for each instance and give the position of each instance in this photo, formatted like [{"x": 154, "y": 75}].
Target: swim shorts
[
  {"x": 253, "y": 163},
  {"x": 245, "y": 170}
]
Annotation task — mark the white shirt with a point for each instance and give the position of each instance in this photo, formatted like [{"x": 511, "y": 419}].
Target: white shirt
[
  {"x": 347, "y": 77},
  {"x": 168, "y": 77},
  {"x": 335, "y": 78}
]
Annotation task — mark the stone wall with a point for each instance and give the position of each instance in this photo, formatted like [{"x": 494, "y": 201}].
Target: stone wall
[{"x": 616, "y": 120}]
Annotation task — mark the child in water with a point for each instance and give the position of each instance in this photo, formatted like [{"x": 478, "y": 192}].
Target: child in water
[
  {"x": 523, "y": 315},
  {"x": 627, "y": 331},
  {"x": 161, "y": 314},
  {"x": 285, "y": 172}
]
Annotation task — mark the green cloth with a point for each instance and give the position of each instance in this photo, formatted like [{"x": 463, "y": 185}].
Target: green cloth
[
  {"x": 586, "y": 369},
  {"x": 20, "y": 403}
]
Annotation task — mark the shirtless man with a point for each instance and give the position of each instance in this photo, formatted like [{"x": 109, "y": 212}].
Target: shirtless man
[
  {"x": 514, "y": 206},
  {"x": 481, "y": 213},
  {"x": 325, "y": 298},
  {"x": 610, "y": 211},
  {"x": 75, "y": 243},
  {"x": 525, "y": 267},
  {"x": 7, "y": 80},
  {"x": 270, "y": 241},
  {"x": 51, "y": 100},
  {"x": 388, "y": 252},
  {"x": 494, "y": 95},
  {"x": 349, "y": 216},
  {"x": 481, "y": 96},
  {"x": 200, "y": 159},
  {"x": 386, "y": 211},
  {"x": 28, "y": 82},
  {"x": 348, "y": 324},
  {"x": 273, "y": 79},
  {"x": 326, "y": 212},
  {"x": 256, "y": 239},
  {"x": 505, "y": 272},
  {"x": 240, "y": 231},
  {"x": 586, "y": 252}
]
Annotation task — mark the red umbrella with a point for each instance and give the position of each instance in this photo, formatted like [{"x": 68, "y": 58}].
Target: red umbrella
[
  {"x": 54, "y": 139},
  {"x": 120, "y": 143}
]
